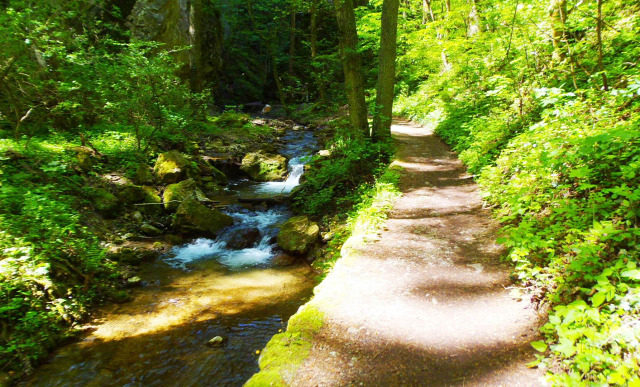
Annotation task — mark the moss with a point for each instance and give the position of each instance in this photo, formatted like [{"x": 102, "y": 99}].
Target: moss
[
  {"x": 298, "y": 235},
  {"x": 286, "y": 351},
  {"x": 176, "y": 193},
  {"x": 171, "y": 167},
  {"x": 262, "y": 166}
]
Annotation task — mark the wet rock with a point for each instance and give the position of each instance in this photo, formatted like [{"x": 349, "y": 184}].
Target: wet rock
[
  {"x": 131, "y": 256},
  {"x": 262, "y": 166},
  {"x": 134, "y": 282},
  {"x": 149, "y": 230},
  {"x": 174, "y": 194},
  {"x": 171, "y": 167},
  {"x": 216, "y": 342},
  {"x": 131, "y": 194},
  {"x": 244, "y": 239},
  {"x": 298, "y": 235},
  {"x": 284, "y": 259},
  {"x": 105, "y": 202},
  {"x": 192, "y": 217},
  {"x": 212, "y": 189},
  {"x": 143, "y": 175}
]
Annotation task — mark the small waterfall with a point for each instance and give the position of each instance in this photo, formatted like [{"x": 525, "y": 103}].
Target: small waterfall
[
  {"x": 299, "y": 145},
  {"x": 296, "y": 169}
]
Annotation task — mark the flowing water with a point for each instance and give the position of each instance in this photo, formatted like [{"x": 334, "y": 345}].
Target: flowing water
[{"x": 198, "y": 291}]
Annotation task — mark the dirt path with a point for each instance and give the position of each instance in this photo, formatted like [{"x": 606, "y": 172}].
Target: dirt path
[{"x": 427, "y": 303}]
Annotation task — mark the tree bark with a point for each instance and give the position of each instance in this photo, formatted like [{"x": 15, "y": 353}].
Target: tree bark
[
  {"x": 387, "y": 70},
  {"x": 292, "y": 40},
  {"x": 605, "y": 82},
  {"x": 353, "y": 78},
  {"x": 313, "y": 42},
  {"x": 427, "y": 10},
  {"x": 558, "y": 18},
  {"x": 474, "y": 19}
]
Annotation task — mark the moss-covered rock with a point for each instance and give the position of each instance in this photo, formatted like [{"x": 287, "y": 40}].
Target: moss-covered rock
[
  {"x": 171, "y": 167},
  {"x": 298, "y": 235},
  {"x": 174, "y": 194},
  {"x": 143, "y": 175},
  {"x": 192, "y": 217},
  {"x": 286, "y": 351},
  {"x": 262, "y": 166},
  {"x": 105, "y": 202},
  {"x": 84, "y": 158}
]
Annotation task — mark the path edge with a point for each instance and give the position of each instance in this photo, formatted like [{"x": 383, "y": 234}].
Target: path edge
[{"x": 287, "y": 351}]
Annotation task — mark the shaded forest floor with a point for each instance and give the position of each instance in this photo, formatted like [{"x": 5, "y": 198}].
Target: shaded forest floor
[{"x": 428, "y": 301}]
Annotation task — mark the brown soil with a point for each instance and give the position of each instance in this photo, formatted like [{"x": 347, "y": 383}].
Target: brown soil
[{"x": 429, "y": 302}]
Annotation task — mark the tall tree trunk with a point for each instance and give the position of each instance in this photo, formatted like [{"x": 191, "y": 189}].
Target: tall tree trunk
[
  {"x": 474, "y": 19},
  {"x": 266, "y": 40},
  {"x": 313, "y": 42},
  {"x": 353, "y": 78},
  {"x": 447, "y": 4},
  {"x": 387, "y": 70},
  {"x": 426, "y": 9},
  {"x": 292, "y": 40},
  {"x": 605, "y": 83},
  {"x": 558, "y": 18}
]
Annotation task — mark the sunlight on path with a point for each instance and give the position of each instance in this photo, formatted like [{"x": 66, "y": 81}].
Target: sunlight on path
[{"x": 426, "y": 304}]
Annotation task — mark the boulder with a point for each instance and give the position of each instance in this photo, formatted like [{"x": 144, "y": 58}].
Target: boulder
[
  {"x": 192, "y": 217},
  {"x": 131, "y": 194},
  {"x": 171, "y": 167},
  {"x": 149, "y": 230},
  {"x": 105, "y": 202},
  {"x": 244, "y": 239},
  {"x": 284, "y": 259},
  {"x": 262, "y": 166},
  {"x": 298, "y": 235},
  {"x": 143, "y": 175},
  {"x": 131, "y": 255},
  {"x": 174, "y": 194}
]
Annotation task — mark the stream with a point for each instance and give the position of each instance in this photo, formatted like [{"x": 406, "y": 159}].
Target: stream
[{"x": 197, "y": 291}]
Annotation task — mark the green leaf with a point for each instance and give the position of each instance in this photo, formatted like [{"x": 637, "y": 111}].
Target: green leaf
[
  {"x": 565, "y": 347},
  {"x": 539, "y": 346},
  {"x": 633, "y": 274},
  {"x": 598, "y": 299}
]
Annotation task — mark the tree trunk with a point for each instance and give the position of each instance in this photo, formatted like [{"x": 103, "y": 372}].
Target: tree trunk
[
  {"x": 474, "y": 19},
  {"x": 447, "y": 4},
  {"x": 558, "y": 18},
  {"x": 353, "y": 78},
  {"x": 313, "y": 42},
  {"x": 387, "y": 70},
  {"x": 292, "y": 41},
  {"x": 605, "y": 83},
  {"x": 427, "y": 10}
]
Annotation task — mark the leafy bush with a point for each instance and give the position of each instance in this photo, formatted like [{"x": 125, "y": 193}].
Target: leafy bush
[{"x": 333, "y": 179}]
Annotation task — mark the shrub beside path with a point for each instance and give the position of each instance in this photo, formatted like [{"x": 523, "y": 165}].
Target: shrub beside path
[{"x": 428, "y": 302}]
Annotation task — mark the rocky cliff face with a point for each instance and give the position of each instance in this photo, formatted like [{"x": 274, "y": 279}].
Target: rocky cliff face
[{"x": 183, "y": 23}]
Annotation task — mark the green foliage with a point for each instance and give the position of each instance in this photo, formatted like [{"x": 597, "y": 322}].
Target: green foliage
[
  {"x": 51, "y": 266},
  {"x": 334, "y": 179},
  {"x": 557, "y": 158}
]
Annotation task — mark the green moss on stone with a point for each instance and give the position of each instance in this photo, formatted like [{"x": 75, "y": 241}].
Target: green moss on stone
[{"x": 286, "y": 351}]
